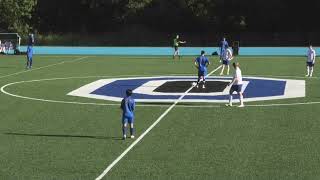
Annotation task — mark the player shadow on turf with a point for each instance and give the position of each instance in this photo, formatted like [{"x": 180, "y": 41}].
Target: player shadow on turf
[{"x": 63, "y": 136}]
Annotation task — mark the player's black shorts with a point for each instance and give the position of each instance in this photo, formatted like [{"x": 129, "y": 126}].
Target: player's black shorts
[
  {"x": 176, "y": 48},
  {"x": 201, "y": 73},
  {"x": 310, "y": 64},
  {"x": 237, "y": 88},
  {"x": 225, "y": 62}
]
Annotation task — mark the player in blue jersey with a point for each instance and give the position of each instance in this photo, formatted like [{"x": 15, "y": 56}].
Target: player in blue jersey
[
  {"x": 29, "y": 57},
  {"x": 127, "y": 106},
  {"x": 223, "y": 47},
  {"x": 30, "y": 51},
  {"x": 202, "y": 62}
]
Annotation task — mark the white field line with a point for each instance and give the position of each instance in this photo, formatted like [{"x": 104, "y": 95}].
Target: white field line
[
  {"x": 142, "y": 105},
  {"x": 284, "y": 76},
  {"x": 139, "y": 105},
  {"x": 147, "y": 131},
  {"x": 25, "y": 71}
]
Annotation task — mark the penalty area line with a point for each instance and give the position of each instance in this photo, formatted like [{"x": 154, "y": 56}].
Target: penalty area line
[{"x": 105, "y": 172}]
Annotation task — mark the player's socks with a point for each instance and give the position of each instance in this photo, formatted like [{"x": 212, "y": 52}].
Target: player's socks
[
  {"x": 222, "y": 71},
  {"x": 311, "y": 72},
  {"x": 241, "y": 101},
  {"x": 124, "y": 131},
  {"x": 308, "y": 71},
  {"x": 228, "y": 70},
  {"x": 198, "y": 82},
  {"x": 230, "y": 100},
  {"x": 131, "y": 131}
]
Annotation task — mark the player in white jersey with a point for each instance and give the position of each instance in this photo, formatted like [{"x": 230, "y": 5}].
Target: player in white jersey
[
  {"x": 226, "y": 58},
  {"x": 236, "y": 85},
  {"x": 311, "y": 59}
]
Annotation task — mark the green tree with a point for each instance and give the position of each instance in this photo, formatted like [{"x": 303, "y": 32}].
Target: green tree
[{"x": 15, "y": 15}]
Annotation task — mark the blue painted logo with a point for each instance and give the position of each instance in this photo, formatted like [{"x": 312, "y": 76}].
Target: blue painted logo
[{"x": 145, "y": 89}]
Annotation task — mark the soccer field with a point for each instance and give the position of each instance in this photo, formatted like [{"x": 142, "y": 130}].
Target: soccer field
[{"x": 47, "y": 134}]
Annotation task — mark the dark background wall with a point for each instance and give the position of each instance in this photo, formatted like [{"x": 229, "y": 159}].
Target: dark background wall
[{"x": 156, "y": 22}]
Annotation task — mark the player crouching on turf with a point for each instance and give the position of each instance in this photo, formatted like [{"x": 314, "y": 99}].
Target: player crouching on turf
[
  {"x": 226, "y": 58},
  {"x": 127, "y": 106},
  {"x": 311, "y": 54},
  {"x": 236, "y": 85},
  {"x": 202, "y": 62}
]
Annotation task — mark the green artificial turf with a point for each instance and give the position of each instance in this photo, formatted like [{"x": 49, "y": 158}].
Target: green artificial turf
[{"x": 48, "y": 140}]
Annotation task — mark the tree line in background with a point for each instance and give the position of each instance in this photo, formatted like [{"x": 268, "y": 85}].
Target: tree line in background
[{"x": 98, "y": 16}]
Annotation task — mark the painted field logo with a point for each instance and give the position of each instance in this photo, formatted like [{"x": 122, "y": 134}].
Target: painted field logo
[{"x": 170, "y": 88}]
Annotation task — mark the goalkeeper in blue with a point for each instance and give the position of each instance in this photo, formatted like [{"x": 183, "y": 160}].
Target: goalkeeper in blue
[
  {"x": 202, "y": 62},
  {"x": 127, "y": 106},
  {"x": 29, "y": 57},
  {"x": 30, "y": 51}
]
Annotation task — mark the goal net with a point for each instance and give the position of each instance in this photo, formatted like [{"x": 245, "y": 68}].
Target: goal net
[{"x": 10, "y": 43}]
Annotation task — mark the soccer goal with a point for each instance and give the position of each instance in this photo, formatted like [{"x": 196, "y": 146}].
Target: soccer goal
[{"x": 10, "y": 43}]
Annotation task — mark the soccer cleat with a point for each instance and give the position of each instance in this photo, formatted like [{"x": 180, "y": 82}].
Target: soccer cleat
[
  {"x": 132, "y": 136},
  {"x": 197, "y": 86},
  {"x": 203, "y": 87},
  {"x": 241, "y": 106},
  {"x": 307, "y": 75},
  {"x": 124, "y": 137},
  {"x": 229, "y": 105}
]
